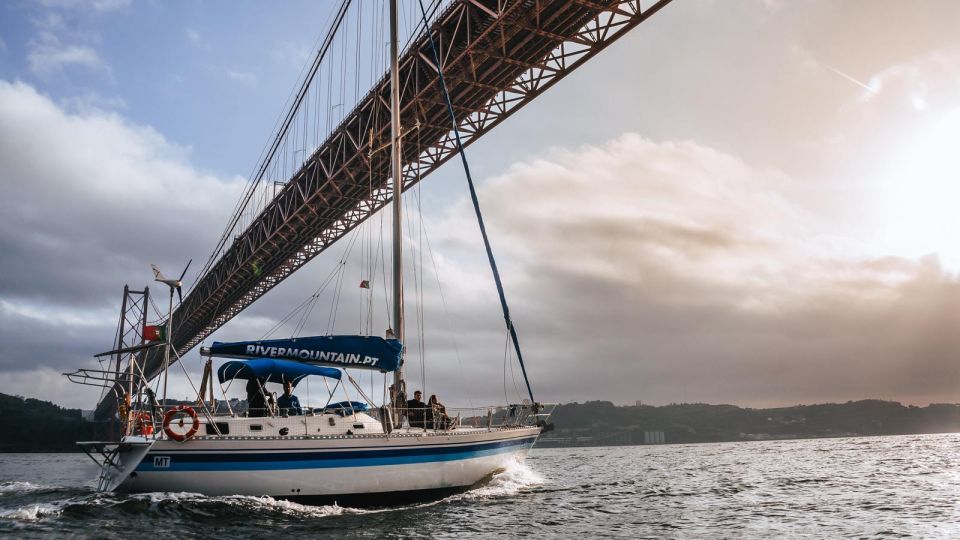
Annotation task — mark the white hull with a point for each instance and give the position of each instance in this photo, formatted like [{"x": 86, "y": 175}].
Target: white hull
[{"x": 330, "y": 468}]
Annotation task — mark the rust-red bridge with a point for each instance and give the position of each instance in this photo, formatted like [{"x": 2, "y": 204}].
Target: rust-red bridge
[{"x": 497, "y": 56}]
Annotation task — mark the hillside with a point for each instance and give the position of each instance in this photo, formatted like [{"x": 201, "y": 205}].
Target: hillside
[
  {"x": 602, "y": 423},
  {"x": 33, "y": 425}
]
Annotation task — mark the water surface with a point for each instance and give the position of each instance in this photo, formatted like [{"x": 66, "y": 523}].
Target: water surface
[{"x": 906, "y": 486}]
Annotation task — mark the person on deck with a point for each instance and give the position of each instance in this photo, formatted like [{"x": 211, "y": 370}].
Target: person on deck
[
  {"x": 288, "y": 403},
  {"x": 438, "y": 418},
  {"x": 256, "y": 401},
  {"x": 417, "y": 411}
]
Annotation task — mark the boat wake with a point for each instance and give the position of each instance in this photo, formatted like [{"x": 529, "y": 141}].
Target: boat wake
[
  {"x": 31, "y": 512},
  {"x": 181, "y": 503},
  {"x": 21, "y": 487},
  {"x": 513, "y": 479},
  {"x": 516, "y": 477},
  {"x": 238, "y": 503}
]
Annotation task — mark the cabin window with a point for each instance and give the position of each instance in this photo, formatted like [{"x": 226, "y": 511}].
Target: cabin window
[
  {"x": 256, "y": 427},
  {"x": 358, "y": 426},
  {"x": 224, "y": 428}
]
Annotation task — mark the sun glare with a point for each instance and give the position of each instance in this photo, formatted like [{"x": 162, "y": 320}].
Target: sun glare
[{"x": 920, "y": 193}]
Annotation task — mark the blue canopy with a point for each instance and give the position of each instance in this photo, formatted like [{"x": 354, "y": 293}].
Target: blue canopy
[
  {"x": 358, "y": 406},
  {"x": 272, "y": 370},
  {"x": 363, "y": 352}
]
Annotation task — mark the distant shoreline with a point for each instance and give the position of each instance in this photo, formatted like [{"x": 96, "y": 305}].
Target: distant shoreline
[
  {"x": 540, "y": 445},
  {"x": 37, "y": 426},
  {"x": 600, "y": 423}
]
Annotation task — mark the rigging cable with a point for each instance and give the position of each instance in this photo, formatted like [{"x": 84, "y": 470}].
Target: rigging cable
[
  {"x": 476, "y": 202},
  {"x": 421, "y": 315},
  {"x": 443, "y": 301}
]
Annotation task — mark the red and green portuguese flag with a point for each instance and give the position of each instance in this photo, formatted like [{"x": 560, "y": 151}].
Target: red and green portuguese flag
[{"x": 154, "y": 333}]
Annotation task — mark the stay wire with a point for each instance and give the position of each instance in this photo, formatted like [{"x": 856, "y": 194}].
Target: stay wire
[
  {"x": 312, "y": 298},
  {"x": 476, "y": 203},
  {"x": 334, "y": 307},
  {"x": 443, "y": 302},
  {"x": 416, "y": 284}
]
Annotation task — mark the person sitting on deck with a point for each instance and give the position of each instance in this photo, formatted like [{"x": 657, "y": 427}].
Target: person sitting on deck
[
  {"x": 417, "y": 411},
  {"x": 288, "y": 403},
  {"x": 256, "y": 400},
  {"x": 437, "y": 414}
]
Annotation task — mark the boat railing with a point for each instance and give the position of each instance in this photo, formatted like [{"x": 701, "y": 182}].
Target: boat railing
[
  {"x": 448, "y": 418},
  {"x": 147, "y": 420}
]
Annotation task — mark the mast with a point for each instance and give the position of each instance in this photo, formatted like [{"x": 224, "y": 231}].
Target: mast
[
  {"x": 166, "y": 350},
  {"x": 396, "y": 172}
]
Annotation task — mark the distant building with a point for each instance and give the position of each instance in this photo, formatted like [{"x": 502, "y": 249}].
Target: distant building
[{"x": 654, "y": 437}]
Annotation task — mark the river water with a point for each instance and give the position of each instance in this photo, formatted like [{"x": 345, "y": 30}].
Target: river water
[{"x": 904, "y": 486}]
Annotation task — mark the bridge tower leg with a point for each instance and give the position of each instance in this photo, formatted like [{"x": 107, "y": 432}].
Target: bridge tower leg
[{"x": 133, "y": 317}]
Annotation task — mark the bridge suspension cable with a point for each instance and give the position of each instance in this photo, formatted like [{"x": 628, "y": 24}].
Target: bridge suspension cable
[{"x": 279, "y": 137}]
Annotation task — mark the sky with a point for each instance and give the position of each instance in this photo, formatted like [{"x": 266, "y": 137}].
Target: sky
[{"x": 747, "y": 202}]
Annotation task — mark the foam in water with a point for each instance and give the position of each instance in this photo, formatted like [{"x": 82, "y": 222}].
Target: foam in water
[
  {"x": 20, "y": 487},
  {"x": 289, "y": 507},
  {"x": 247, "y": 502},
  {"x": 515, "y": 477},
  {"x": 33, "y": 512},
  {"x": 167, "y": 496}
]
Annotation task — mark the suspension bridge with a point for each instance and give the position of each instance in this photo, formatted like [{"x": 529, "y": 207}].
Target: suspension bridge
[{"x": 496, "y": 55}]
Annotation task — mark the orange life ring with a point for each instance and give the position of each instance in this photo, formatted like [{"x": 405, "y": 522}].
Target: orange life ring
[
  {"x": 168, "y": 420},
  {"x": 143, "y": 423}
]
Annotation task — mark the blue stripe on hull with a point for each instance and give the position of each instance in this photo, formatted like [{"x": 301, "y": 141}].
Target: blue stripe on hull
[{"x": 325, "y": 459}]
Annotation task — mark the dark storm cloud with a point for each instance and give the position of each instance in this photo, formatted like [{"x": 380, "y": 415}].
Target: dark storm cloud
[{"x": 33, "y": 339}]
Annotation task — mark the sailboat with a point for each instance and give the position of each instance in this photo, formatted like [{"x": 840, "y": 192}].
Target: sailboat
[{"x": 351, "y": 452}]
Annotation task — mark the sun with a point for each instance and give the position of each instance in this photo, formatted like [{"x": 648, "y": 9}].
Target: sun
[{"x": 919, "y": 191}]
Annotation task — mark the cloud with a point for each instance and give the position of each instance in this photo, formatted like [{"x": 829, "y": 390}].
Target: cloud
[
  {"x": 66, "y": 37},
  {"x": 241, "y": 76},
  {"x": 291, "y": 54},
  {"x": 660, "y": 271},
  {"x": 70, "y": 179},
  {"x": 87, "y": 201},
  {"x": 674, "y": 272},
  {"x": 92, "y": 102},
  {"x": 933, "y": 76},
  {"x": 101, "y": 6},
  {"x": 49, "y": 57}
]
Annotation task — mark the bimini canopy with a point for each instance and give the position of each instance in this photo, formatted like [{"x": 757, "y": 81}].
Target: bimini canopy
[
  {"x": 363, "y": 352},
  {"x": 271, "y": 370}
]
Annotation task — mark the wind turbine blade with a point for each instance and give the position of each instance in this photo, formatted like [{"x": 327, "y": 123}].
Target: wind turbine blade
[
  {"x": 180, "y": 293},
  {"x": 185, "y": 270},
  {"x": 157, "y": 275}
]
